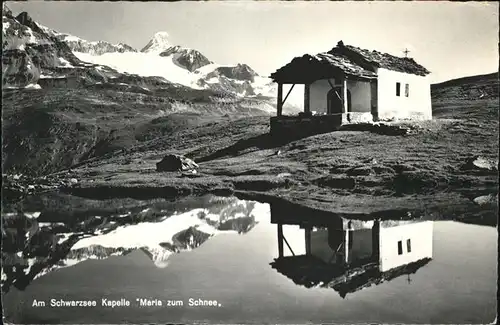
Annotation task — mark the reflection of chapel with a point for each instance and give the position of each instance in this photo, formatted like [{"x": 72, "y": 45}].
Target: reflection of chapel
[{"x": 349, "y": 255}]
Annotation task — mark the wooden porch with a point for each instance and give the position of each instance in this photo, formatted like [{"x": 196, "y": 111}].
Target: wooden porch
[
  {"x": 337, "y": 72},
  {"x": 305, "y": 124}
]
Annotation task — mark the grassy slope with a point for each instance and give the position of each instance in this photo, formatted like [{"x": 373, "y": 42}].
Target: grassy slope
[
  {"x": 49, "y": 130},
  {"x": 350, "y": 173}
]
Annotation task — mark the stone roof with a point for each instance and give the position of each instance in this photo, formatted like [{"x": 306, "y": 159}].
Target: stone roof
[
  {"x": 379, "y": 59},
  {"x": 310, "y": 272},
  {"x": 344, "y": 60},
  {"x": 374, "y": 277},
  {"x": 308, "y": 68}
]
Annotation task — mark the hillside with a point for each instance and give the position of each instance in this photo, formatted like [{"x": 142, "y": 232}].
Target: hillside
[
  {"x": 473, "y": 87},
  {"x": 48, "y": 130},
  {"x": 450, "y": 99}
]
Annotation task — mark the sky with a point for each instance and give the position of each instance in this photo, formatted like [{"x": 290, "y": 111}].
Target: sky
[{"x": 451, "y": 39}]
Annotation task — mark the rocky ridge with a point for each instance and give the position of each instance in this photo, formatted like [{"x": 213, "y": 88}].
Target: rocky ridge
[{"x": 187, "y": 58}]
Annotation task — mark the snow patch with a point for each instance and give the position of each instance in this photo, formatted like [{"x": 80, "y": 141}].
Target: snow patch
[
  {"x": 52, "y": 77},
  {"x": 49, "y": 224},
  {"x": 33, "y": 86},
  {"x": 31, "y": 37},
  {"x": 32, "y": 215},
  {"x": 261, "y": 212},
  {"x": 143, "y": 64},
  {"x": 65, "y": 63},
  {"x": 148, "y": 234},
  {"x": 64, "y": 236},
  {"x": 5, "y": 26}
]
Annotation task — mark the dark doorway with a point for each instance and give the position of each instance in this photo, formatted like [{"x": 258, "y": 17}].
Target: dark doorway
[
  {"x": 335, "y": 101},
  {"x": 335, "y": 237},
  {"x": 335, "y": 105}
]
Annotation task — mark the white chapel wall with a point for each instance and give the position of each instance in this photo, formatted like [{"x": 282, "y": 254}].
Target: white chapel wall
[
  {"x": 362, "y": 245},
  {"x": 360, "y": 96},
  {"x": 416, "y": 106},
  {"x": 318, "y": 92},
  {"x": 420, "y": 235}
]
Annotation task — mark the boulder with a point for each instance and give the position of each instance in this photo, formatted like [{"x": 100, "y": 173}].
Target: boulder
[
  {"x": 480, "y": 163},
  {"x": 489, "y": 199},
  {"x": 173, "y": 162}
]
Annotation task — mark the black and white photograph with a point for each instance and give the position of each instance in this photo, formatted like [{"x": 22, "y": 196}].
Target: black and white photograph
[{"x": 250, "y": 162}]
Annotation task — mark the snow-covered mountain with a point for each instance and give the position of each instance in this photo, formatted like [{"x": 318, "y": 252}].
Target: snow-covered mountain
[
  {"x": 189, "y": 67},
  {"x": 158, "y": 43},
  {"x": 35, "y": 55},
  {"x": 27, "y": 51},
  {"x": 76, "y": 44},
  {"x": 184, "y": 66}
]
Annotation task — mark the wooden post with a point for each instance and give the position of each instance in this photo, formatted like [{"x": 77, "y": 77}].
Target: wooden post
[
  {"x": 346, "y": 246},
  {"x": 280, "y": 240},
  {"x": 344, "y": 94},
  {"x": 308, "y": 231},
  {"x": 280, "y": 99},
  {"x": 307, "y": 95},
  {"x": 345, "y": 114},
  {"x": 374, "y": 99},
  {"x": 376, "y": 240}
]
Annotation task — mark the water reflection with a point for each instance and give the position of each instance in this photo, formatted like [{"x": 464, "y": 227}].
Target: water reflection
[
  {"x": 32, "y": 248},
  {"x": 446, "y": 274},
  {"x": 350, "y": 255}
]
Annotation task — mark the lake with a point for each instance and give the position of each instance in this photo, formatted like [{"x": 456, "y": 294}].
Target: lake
[{"x": 232, "y": 266}]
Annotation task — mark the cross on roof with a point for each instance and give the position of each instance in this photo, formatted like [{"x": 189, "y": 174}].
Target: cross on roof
[{"x": 406, "y": 51}]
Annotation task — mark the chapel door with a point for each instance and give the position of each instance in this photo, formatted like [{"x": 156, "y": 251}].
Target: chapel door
[{"x": 335, "y": 106}]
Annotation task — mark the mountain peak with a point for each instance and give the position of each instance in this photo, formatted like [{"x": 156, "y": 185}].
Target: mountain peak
[
  {"x": 5, "y": 10},
  {"x": 159, "y": 43},
  {"x": 161, "y": 35},
  {"x": 24, "y": 18}
]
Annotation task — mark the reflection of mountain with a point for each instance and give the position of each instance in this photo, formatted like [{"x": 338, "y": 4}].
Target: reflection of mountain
[
  {"x": 349, "y": 255},
  {"x": 32, "y": 248}
]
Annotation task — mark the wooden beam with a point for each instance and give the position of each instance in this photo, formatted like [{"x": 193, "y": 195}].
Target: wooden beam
[
  {"x": 333, "y": 86},
  {"x": 280, "y": 99},
  {"x": 289, "y": 247},
  {"x": 338, "y": 96},
  {"x": 289, "y": 91},
  {"x": 308, "y": 231},
  {"x": 307, "y": 95},
  {"x": 280, "y": 240}
]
